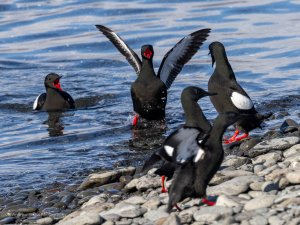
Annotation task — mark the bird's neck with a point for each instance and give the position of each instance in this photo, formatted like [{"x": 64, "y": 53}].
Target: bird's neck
[
  {"x": 217, "y": 132},
  {"x": 194, "y": 116},
  {"x": 223, "y": 66},
  {"x": 147, "y": 71}
]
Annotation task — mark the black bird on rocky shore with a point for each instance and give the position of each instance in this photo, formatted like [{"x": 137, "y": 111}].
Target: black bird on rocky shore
[
  {"x": 230, "y": 95},
  {"x": 180, "y": 145},
  {"x": 55, "y": 98},
  {"x": 202, "y": 162},
  {"x": 149, "y": 91}
]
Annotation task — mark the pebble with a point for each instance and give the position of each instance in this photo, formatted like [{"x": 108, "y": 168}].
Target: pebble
[
  {"x": 228, "y": 201},
  {"x": 293, "y": 177},
  {"x": 269, "y": 186},
  {"x": 234, "y": 186},
  {"x": 258, "y": 168},
  {"x": 126, "y": 210},
  {"x": 85, "y": 218},
  {"x": 7, "y": 220},
  {"x": 258, "y": 220},
  {"x": 211, "y": 214},
  {"x": 260, "y": 202},
  {"x": 137, "y": 200},
  {"x": 98, "y": 179},
  {"x": 235, "y": 161},
  {"x": 186, "y": 215},
  {"x": 154, "y": 215},
  {"x": 275, "y": 220},
  {"x": 145, "y": 183},
  {"x": 273, "y": 144},
  {"x": 21, "y": 209},
  {"x": 152, "y": 204},
  {"x": 289, "y": 125},
  {"x": 94, "y": 200},
  {"x": 45, "y": 221}
]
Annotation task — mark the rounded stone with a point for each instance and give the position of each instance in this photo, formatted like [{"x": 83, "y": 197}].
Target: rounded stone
[
  {"x": 261, "y": 202},
  {"x": 293, "y": 177}
]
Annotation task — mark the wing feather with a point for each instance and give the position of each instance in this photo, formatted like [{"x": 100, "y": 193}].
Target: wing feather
[
  {"x": 123, "y": 48},
  {"x": 179, "y": 55}
]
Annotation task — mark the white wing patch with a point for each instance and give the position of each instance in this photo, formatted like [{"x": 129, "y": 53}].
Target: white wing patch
[
  {"x": 241, "y": 101},
  {"x": 169, "y": 150},
  {"x": 200, "y": 155},
  {"x": 35, "y": 104}
]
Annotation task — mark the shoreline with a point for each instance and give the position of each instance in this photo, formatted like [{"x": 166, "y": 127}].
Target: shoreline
[{"x": 262, "y": 186}]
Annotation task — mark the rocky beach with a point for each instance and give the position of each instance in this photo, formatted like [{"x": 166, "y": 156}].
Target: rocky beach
[{"x": 257, "y": 184}]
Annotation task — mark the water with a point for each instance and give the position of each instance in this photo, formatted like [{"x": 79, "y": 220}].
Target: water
[{"x": 262, "y": 39}]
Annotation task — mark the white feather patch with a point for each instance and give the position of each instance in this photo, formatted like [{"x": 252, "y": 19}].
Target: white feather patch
[
  {"x": 200, "y": 155},
  {"x": 35, "y": 104},
  {"x": 169, "y": 150},
  {"x": 241, "y": 101}
]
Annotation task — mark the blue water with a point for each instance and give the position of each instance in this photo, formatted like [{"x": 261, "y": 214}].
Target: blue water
[{"x": 262, "y": 39}]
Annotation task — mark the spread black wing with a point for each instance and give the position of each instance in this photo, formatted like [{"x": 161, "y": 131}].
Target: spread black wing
[
  {"x": 124, "y": 49},
  {"x": 179, "y": 55}
]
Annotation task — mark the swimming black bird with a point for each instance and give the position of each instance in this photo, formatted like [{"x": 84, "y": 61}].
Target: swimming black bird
[
  {"x": 55, "y": 98},
  {"x": 149, "y": 91},
  {"x": 183, "y": 141},
  {"x": 202, "y": 162},
  {"x": 230, "y": 95}
]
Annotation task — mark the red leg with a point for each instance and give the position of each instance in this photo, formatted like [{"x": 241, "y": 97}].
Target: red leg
[
  {"x": 232, "y": 139},
  {"x": 163, "y": 189},
  {"x": 245, "y": 135},
  {"x": 209, "y": 203},
  {"x": 135, "y": 120},
  {"x": 177, "y": 207}
]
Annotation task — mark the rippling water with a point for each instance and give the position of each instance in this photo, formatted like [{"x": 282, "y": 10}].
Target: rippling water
[{"x": 262, "y": 39}]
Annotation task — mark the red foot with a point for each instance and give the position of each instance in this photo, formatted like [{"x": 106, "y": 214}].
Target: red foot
[
  {"x": 234, "y": 138},
  {"x": 135, "y": 120},
  {"x": 209, "y": 203},
  {"x": 163, "y": 189},
  {"x": 177, "y": 207}
]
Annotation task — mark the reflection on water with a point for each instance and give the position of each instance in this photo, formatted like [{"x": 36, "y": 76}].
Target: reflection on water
[
  {"x": 37, "y": 37},
  {"x": 55, "y": 125}
]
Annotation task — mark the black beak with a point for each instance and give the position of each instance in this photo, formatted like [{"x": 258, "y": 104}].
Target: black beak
[
  {"x": 59, "y": 77},
  {"x": 212, "y": 58},
  {"x": 211, "y": 94}
]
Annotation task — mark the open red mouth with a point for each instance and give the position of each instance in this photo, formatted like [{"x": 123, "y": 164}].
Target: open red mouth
[
  {"x": 56, "y": 84},
  {"x": 148, "y": 53}
]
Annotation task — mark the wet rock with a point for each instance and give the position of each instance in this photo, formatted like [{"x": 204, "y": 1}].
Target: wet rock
[
  {"x": 228, "y": 201},
  {"x": 154, "y": 215},
  {"x": 58, "y": 216},
  {"x": 98, "y": 179},
  {"x": 273, "y": 144},
  {"x": 21, "y": 209},
  {"x": 112, "y": 188},
  {"x": 126, "y": 210},
  {"x": 211, "y": 214},
  {"x": 289, "y": 125},
  {"x": 49, "y": 211},
  {"x": 87, "y": 193},
  {"x": 293, "y": 177},
  {"x": 67, "y": 199},
  {"x": 84, "y": 218},
  {"x": 292, "y": 151},
  {"x": 234, "y": 186},
  {"x": 136, "y": 200},
  {"x": 7, "y": 220},
  {"x": 152, "y": 203},
  {"x": 44, "y": 221},
  {"x": 261, "y": 202}
]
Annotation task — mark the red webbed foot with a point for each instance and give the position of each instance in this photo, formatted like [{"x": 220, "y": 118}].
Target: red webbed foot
[
  {"x": 135, "y": 120},
  {"x": 163, "y": 188},
  {"x": 206, "y": 202}
]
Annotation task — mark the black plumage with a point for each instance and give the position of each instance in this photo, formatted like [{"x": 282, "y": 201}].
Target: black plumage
[
  {"x": 183, "y": 143},
  {"x": 192, "y": 178},
  {"x": 149, "y": 91},
  {"x": 55, "y": 98},
  {"x": 230, "y": 95}
]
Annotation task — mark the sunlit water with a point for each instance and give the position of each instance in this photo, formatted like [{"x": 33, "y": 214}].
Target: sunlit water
[{"x": 262, "y": 39}]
